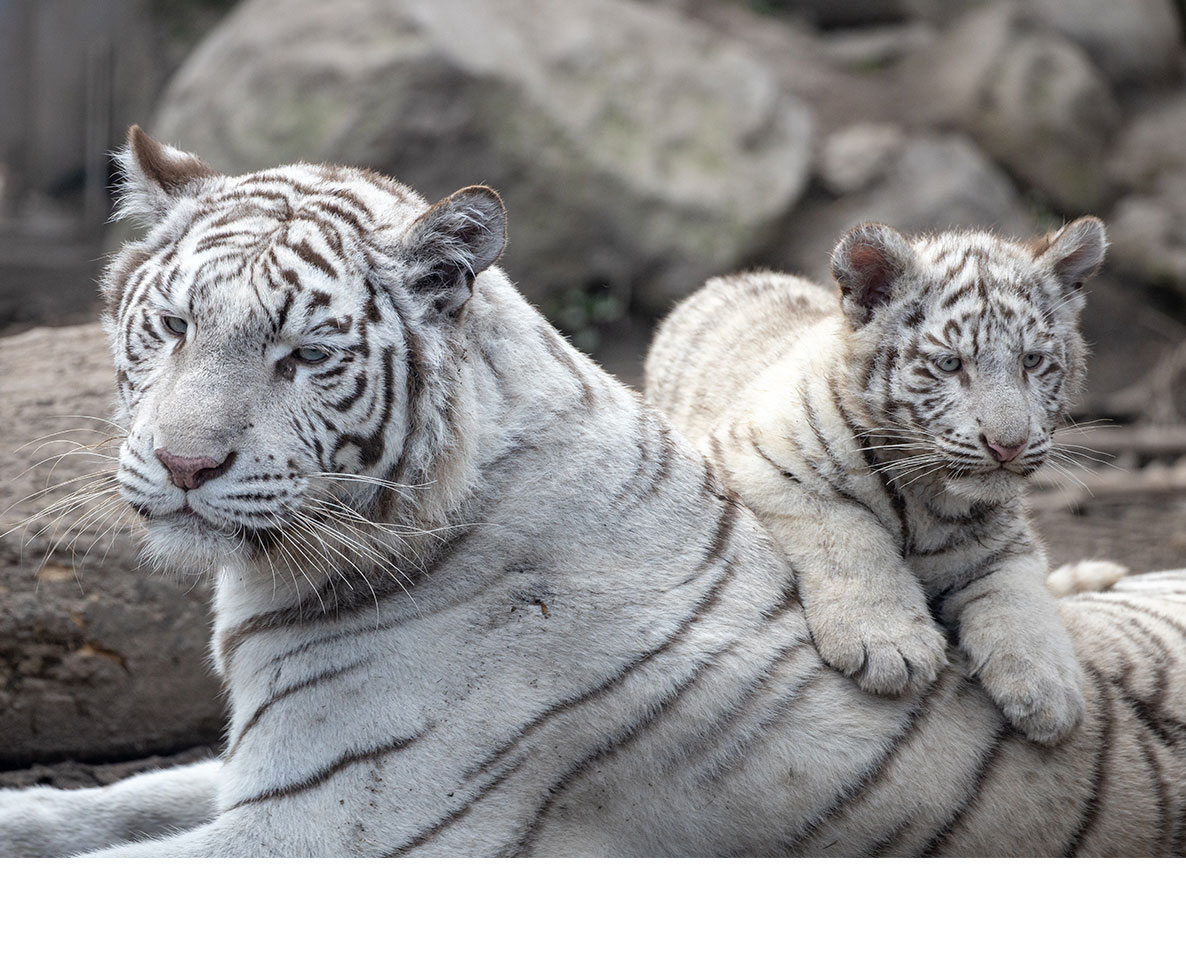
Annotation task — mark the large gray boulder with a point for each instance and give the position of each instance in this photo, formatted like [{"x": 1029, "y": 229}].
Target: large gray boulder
[
  {"x": 1132, "y": 41},
  {"x": 1148, "y": 164},
  {"x": 100, "y": 660},
  {"x": 1147, "y": 242},
  {"x": 1031, "y": 98},
  {"x": 915, "y": 183},
  {"x": 1151, "y": 146},
  {"x": 633, "y": 147}
]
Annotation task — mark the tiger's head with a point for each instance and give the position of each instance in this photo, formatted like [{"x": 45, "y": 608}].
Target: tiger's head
[
  {"x": 966, "y": 346},
  {"x": 283, "y": 343}
]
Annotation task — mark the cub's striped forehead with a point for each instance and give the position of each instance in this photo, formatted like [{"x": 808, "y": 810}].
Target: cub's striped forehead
[
  {"x": 978, "y": 289},
  {"x": 968, "y": 269}
]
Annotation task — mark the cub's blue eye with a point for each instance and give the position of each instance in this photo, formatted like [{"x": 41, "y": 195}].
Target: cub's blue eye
[
  {"x": 175, "y": 325},
  {"x": 1030, "y": 361},
  {"x": 949, "y": 365},
  {"x": 311, "y": 355}
]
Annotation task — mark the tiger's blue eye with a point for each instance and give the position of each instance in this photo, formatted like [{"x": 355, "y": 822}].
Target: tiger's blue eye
[
  {"x": 949, "y": 365},
  {"x": 1030, "y": 361},
  {"x": 175, "y": 325},
  {"x": 311, "y": 355}
]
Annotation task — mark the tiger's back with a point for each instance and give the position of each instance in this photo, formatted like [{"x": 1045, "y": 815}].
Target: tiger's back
[{"x": 702, "y": 357}]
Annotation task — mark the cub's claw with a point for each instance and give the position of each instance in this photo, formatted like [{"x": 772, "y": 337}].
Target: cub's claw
[{"x": 885, "y": 655}]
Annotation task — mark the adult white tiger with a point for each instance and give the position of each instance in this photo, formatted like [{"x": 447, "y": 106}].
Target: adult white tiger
[{"x": 602, "y": 653}]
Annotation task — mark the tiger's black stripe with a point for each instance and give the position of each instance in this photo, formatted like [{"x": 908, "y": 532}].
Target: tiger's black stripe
[
  {"x": 326, "y": 676},
  {"x": 1099, "y": 775},
  {"x": 701, "y": 608},
  {"x": 324, "y": 774},
  {"x": 988, "y": 759},
  {"x": 853, "y": 793}
]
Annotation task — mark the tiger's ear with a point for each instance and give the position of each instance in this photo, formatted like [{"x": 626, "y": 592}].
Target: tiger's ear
[
  {"x": 866, "y": 263},
  {"x": 1075, "y": 252},
  {"x": 453, "y": 242},
  {"x": 155, "y": 176}
]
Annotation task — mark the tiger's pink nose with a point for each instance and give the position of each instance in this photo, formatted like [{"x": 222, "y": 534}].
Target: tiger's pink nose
[
  {"x": 190, "y": 473},
  {"x": 1005, "y": 452}
]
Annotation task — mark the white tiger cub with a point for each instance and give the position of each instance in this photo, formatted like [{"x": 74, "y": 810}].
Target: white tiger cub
[{"x": 884, "y": 440}]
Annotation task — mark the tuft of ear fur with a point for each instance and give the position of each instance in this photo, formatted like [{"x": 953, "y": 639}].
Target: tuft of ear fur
[
  {"x": 1075, "y": 252},
  {"x": 155, "y": 176},
  {"x": 453, "y": 242},
  {"x": 866, "y": 263}
]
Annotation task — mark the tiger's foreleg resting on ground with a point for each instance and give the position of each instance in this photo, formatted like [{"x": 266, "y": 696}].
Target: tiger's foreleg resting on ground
[{"x": 52, "y": 822}]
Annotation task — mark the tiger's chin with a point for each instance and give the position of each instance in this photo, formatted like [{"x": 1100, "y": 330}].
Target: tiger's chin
[
  {"x": 188, "y": 544},
  {"x": 998, "y": 485}
]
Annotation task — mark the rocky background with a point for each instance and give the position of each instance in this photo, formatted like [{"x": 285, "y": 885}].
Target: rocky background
[{"x": 641, "y": 146}]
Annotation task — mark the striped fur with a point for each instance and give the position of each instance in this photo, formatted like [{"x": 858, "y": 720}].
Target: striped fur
[
  {"x": 596, "y": 651},
  {"x": 884, "y": 439}
]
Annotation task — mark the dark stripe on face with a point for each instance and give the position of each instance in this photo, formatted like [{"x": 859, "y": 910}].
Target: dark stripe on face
[
  {"x": 309, "y": 255},
  {"x": 370, "y": 447},
  {"x": 784, "y": 472}
]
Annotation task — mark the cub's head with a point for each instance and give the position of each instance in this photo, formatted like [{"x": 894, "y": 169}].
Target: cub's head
[
  {"x": 966, "y": 346},
  {"x": 283, "y": 343}
]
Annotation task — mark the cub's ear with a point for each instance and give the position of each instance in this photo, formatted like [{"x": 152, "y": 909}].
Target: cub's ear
[
  {"x": 155, "y": 176},
  {"x": 1075, "y": 252},
  {"x": 866, "y": 263},
  {"x": 453, "y": 242}
]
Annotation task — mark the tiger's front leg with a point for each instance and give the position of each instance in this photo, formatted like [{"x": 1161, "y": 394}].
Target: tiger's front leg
[
  {"x": 1020, "y": 651},
  {"x": 53, "y": 822},
  {"x": 867, "y": 612}
]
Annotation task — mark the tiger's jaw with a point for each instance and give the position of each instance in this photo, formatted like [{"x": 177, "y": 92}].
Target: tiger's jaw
[
  {"x": 195, "y": 523},
  {"x": 184, "y": 541}
]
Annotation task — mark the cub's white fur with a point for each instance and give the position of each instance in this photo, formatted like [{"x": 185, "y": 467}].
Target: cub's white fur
[
  {"x": 883, "y": 438},
  {"x": 474, "y": 597}
]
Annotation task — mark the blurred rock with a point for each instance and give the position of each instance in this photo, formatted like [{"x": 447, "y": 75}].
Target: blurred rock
[
  {"x": 930, "y": 182},
  {"x": 938, "y": 11},
  {"x": 99, "y": 659},
  {"x": 853, "y": 157},
  {"x": 1132, "y": 41},
  {"x": 1148, "y": 235},
  {"x": 633, "y": 147},
  {"x": 1129, "y": 337},
  {"x": 871, "y": 48},
  {"x": 1031, "y": 98},
  {"x": 838, "y": 13},
  {"x": 1152, "y": 145}
]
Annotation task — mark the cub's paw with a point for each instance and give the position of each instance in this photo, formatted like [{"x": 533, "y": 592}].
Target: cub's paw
[
  {"x": 1039, "y": 691},
  {"x": 885, "y": 653}
]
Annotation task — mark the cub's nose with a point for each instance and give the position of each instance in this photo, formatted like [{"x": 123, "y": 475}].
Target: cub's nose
[
  {"x": 190, "y": 473},
  {"x": 1005, "y": 452}
]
